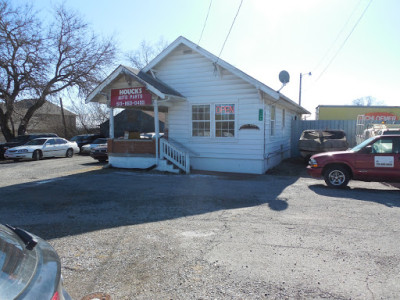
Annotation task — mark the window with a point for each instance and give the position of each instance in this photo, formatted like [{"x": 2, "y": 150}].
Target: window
[
  {"x": 283, "y": 118},
  {"x": 224, "y": 120},
  {"x": 61, "y": 141},
  {"x": 272, "y": 118},
  {"x": 201, "y": 120},
  {"x": 383, "y": 146}
]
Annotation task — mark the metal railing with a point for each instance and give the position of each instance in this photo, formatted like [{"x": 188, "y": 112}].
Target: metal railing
[{"x": 176, "y": 156}]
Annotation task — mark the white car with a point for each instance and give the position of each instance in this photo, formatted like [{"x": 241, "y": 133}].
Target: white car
[
  {"x": 43, "y": 147},
  {"x": 150, "y": 135},
  {"x": 86, "y": 149}
]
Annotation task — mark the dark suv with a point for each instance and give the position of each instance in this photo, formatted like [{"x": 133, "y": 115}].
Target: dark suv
[
  {"x": 315, "y": 141},
  {"x": 22, "y": 140},
  {"x": 85, "y": 139}
]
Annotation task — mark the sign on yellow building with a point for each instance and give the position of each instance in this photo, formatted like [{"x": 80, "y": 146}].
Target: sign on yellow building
[{"x": 349, "y": 112}]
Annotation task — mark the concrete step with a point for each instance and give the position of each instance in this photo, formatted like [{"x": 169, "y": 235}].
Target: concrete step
[{"x": 165, "y": 166}]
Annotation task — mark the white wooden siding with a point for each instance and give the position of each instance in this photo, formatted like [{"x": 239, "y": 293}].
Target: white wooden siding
[
  {"x": 196, "y": 78},
  {"x": 277, "y": 147}
]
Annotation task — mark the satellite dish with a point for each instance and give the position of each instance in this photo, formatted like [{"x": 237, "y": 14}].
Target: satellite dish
[{"x": 284, "y": 78}]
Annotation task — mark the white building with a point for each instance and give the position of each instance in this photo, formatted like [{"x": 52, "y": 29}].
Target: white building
[{"x": 218, "y": 118}]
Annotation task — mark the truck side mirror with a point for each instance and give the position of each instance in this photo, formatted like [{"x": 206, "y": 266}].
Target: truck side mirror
[{"x": 367, "y": 149}]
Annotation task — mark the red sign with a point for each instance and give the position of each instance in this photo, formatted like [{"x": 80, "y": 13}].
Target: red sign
[
  {"x": 380, "y": 116},
  {"x": 137, "y": 96},
  {"x": 228, "y": 109}
]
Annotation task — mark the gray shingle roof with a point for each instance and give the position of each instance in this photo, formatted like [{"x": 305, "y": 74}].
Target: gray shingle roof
[{"x": 158, "y": 84}]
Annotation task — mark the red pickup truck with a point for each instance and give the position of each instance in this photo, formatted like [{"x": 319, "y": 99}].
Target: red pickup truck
[{"x": 375, "y": 159}]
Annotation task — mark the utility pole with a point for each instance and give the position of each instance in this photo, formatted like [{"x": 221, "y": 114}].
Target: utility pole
[
  {"x": 63, "y": 118},
  {"x": 301, "y": 78}
]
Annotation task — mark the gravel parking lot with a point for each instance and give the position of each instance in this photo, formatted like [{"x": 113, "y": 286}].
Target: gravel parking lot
[{"x": 144, "y": 235}]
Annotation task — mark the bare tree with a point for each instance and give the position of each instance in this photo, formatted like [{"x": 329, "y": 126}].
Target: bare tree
[
  {"x": 139, "y": 58},
  {"x": 90, "y": 115},
  {"x": 20, "y": 63},
  {"x": 367, "y": 101},
  {"x": 38, "y": 62}
]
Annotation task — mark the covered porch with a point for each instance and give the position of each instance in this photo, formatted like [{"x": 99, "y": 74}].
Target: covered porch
[{"x": 127, "y": 88}]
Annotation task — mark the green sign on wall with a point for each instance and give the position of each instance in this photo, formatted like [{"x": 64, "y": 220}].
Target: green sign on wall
[{"x": 260, "y": 114}]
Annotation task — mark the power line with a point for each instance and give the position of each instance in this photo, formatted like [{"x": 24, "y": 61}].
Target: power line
[
  {"x": 338, "y": 35},
  {"x": 344, "y": 42},
  {"x": 205, "y": 22},
  {"x": 230, "y": 29}
]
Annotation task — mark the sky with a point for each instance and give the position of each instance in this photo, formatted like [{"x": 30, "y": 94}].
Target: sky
[{"x": 351, "y": 47}]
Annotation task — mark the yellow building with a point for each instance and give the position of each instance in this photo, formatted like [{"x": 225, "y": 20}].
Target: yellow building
[{"x": 350, "y": 112}]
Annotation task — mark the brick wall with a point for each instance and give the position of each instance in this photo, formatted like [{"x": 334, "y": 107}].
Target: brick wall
[{"x": 131, "y": 146}]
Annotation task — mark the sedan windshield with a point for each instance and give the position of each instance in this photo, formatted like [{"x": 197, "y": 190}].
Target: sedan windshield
[
  {"x": 20, "y": 139},
  {"x": 36, "y": 142},
  {"x": 100, "y": 141},
  {"x": 76, "y": 138}
]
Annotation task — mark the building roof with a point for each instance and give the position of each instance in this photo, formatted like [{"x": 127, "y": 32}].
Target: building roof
[
  {"x": 220, "y": 62},
  {"x": 47, "y": 108},
  {"x": 163, "y": 91},
  {"x": 158, "y": 84},
  {"x": 153, "y": 85}
]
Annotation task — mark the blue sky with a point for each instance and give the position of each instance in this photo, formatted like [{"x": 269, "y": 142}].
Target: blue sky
[{"x": 270, "y": 36}]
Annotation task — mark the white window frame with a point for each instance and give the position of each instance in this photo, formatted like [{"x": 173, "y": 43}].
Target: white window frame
[
  {"x": 272, "y": 117},
  {"x": 200, "y": 120},
  {"x": 215, "y": 121}
]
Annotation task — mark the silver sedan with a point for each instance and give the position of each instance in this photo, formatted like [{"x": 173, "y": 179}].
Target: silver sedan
[{"x": 86, "y": 149}]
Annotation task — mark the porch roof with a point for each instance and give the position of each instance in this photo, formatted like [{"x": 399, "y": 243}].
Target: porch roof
[{"x": 153, "y": 85}]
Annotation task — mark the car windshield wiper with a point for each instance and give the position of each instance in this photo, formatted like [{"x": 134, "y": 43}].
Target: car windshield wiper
[{"x": 29, "y": 241}]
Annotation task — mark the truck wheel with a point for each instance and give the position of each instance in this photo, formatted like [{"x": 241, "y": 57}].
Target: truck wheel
[{"x": 336, "y": 176}]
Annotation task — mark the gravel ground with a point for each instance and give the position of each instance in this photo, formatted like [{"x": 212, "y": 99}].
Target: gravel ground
[{"x": 141, "y": 235}]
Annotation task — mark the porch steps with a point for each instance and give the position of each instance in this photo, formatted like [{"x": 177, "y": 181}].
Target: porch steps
[
  {"x": 165, "y": 166},
  {"x": 174, "y": 155}
]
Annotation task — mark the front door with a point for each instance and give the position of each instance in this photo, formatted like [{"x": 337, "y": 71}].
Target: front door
[
  {"x": 62, "y": 147},
  {"x": 49, "y": 149},
  {"x": 381, "y": 162}
]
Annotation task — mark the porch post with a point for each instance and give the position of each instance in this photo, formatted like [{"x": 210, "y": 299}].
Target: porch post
[
  {"x": 111, "y": 125},
  {"x": 156, "y": 127}
]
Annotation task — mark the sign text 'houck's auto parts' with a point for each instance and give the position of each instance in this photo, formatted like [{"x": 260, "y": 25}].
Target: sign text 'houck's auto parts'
[{"x": 137, "y": 96}]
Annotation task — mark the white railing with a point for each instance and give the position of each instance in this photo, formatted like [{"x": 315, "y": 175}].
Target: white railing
[{"x": 178, "y": 157}]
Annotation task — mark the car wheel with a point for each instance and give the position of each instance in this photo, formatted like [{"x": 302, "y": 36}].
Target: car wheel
[
  {"x": 337, "y": 176},
  {"x": 69, "y": 153},
  {"x": 36, "y": 155}
]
